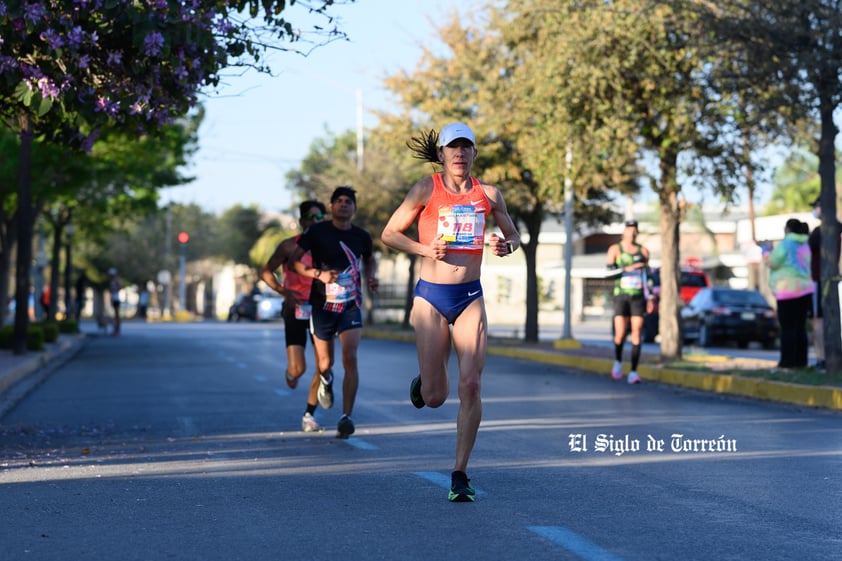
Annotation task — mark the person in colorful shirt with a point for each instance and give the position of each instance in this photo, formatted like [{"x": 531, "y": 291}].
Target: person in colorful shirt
[
  {"x": 295, "y": 311},
  {"x": 341, "y": 256},
  {"x": 792, "y": 284},
  {"x": 451, "y": 208},
  {"x": 632, "y": 299}
]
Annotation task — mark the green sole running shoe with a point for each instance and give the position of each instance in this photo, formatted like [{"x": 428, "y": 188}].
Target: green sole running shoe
[
  {"x": 415, "y": 392},
  {"x": 460, "y": 488}
]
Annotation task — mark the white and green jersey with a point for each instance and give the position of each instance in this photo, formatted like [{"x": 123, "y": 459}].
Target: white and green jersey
[{"x": 632, "y": 282}]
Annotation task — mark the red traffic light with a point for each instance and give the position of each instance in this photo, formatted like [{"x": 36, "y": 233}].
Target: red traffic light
[{"x": 183, "y": 237}]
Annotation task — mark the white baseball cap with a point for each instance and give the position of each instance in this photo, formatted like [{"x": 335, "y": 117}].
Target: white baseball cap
[{"x": 455, "y": 131}]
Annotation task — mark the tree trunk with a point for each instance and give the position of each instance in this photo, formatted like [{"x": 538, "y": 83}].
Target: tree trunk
[
  {"x": 55, "y": 268},
  {"x": 530, "y": 251},
  {"x": 8, "y": 242},
  {"x": 669, "y": 325},
  {"x": 25, "y": 220},
  {"x": 830, "y": 239}
]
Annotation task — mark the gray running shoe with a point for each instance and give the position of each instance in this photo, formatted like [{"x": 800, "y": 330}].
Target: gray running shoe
[
  {"x": 309, "y": 424},
  {"x": 325, "y": 394}
]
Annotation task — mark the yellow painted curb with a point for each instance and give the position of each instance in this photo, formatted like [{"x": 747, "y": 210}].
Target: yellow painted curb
[
  {"x": 827, "y": 397},
  {"x": 567, "y": 344}
]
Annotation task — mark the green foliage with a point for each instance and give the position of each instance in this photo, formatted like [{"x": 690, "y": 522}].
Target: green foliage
[
  {"x": 262, "y": 250},
  {"x": 34, "y": 337},
  {"x": 797, "y": 183},
  {"x": 50, "y": 330},
  {"x": 68, "y": 326}
]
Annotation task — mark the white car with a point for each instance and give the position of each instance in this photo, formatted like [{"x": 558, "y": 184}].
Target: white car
[{"x": 269, "y": 306}]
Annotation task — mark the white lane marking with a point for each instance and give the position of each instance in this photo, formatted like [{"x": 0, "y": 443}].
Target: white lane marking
[
  {"x": 574, "y": 543},
  {"x": 361, "y": 444},
  {"x": 440, "y": 479},
  {"x": 281, "y": 392},
  {"x": 261, "y": 378}
]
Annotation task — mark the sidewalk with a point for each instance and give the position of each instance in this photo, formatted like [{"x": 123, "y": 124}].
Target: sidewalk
[{"x": 598, "y": 361}]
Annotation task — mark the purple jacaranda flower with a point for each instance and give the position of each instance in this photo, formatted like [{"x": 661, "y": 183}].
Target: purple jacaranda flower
[
  {"x": 135, "y": 108},
  {"x": 224, "y": 26},
  {"x": 7, "y": 63},
  {"x": 75, "y": 37},
  {"x": 52, "y": 38},
  {"x": 153, "y": 43},
  {"x": 84, "y": 61},
  {"x": 34, "y": 12},
  {"x": 181, "y": 72},
  {"x": 48, "y": 89},
  {"x": 105, "y": 105},
  {"x": 2, "y": 9}
]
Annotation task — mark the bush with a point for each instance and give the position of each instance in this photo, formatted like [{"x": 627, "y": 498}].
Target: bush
[
  {"x": 6, "y": 336},
  {"x": 68, "y": 326},
  {"x": 50, "y": 329},
  {"x": 34, "y": 337}
]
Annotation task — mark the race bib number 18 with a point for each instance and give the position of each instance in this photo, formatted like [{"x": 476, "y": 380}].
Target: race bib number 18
[{"x": 461, "y": 226}]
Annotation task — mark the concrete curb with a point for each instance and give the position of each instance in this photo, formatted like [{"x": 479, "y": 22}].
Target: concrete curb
[{"x": 825, "y": 397}]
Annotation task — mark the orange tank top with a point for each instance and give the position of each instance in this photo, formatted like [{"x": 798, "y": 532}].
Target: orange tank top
[
  {"x": 458, "y": 217},
  {"x": 295, "y": 283}
]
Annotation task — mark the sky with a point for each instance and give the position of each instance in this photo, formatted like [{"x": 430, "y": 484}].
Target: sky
[{"x": 259, "y": 127}]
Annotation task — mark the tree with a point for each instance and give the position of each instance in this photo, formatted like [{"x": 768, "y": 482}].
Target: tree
[
  {"x": 67, "y": 68},
  {"x": 790, "y": 57},
  {"x": 626, "y": 71}
]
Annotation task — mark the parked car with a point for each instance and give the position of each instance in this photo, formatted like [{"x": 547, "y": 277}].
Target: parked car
[
  {"x": 740, "y": 315},
  {"x": 692, "y": 281},
  {"x": 269, "y": 306},
  {"x": 263, "y": 306}
]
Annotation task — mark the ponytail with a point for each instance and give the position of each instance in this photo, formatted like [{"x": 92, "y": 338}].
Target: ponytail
[{"x": 425, "y": 146}]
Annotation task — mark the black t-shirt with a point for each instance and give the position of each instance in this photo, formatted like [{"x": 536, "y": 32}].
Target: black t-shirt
[{"x": 341, "y": 250}]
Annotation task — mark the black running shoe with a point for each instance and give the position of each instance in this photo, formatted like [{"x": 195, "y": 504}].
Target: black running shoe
[
  {"x": 345, "y": 428},
  {"x": 460, "y": 488},
  {"x": 415, "y": 392},
  {"x": 325, "y": 393}
]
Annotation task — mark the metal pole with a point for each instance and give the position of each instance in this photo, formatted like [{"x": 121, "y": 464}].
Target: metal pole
[
  {"x": 182, "y": 273},
  {"x": 166, "y": 312},
  {"x": 360, "y": 140},
  {"x": 567, "y": 332}
]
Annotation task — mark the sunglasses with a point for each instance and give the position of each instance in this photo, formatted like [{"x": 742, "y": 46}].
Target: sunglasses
[{"x": 311, "y": 216}]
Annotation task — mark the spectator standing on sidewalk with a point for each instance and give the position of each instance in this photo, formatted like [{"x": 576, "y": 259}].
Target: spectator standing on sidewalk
[
  {"x": 341, "y": 256},
  {"x": 816, "y": 311},
  {"x": 630, "y": 260},
  {"x": 792, "y": 284},
  {"x": 451, "y": 209},
  {"x": 296, "y": 308},
  {"x": 114, "y": 287}
]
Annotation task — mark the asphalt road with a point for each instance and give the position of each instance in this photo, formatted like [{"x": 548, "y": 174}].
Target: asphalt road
[
  {"x": 597, "y": 333},
  {"x": 182, "y": 442}
]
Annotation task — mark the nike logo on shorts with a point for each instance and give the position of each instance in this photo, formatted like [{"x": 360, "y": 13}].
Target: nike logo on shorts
[{"x": 473, "y": 293}]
